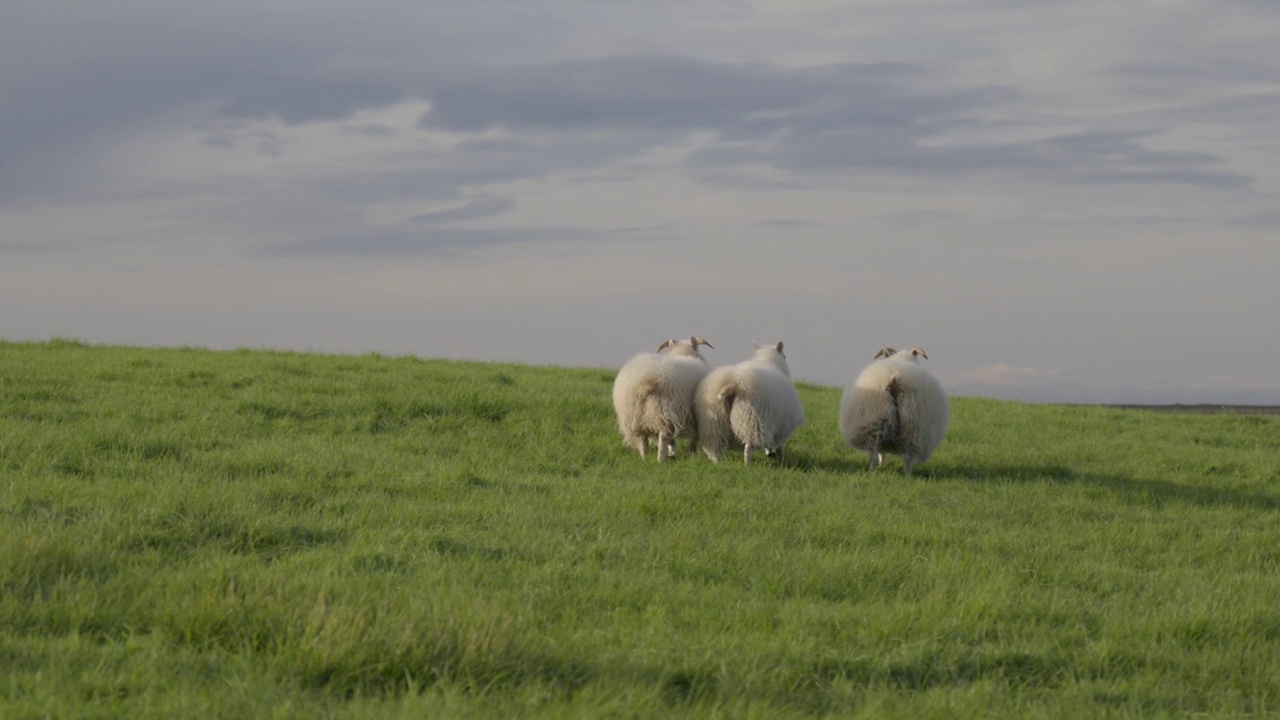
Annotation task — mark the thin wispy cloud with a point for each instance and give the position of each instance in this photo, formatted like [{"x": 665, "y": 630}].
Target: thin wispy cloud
[
  {"x": 406, "y": 242},
  {"x": 788, "y": 223},
  {"x": 474, "y": 210},
  {"x": 920, "y": 218},
  {"x": 1004, "y": 374}
]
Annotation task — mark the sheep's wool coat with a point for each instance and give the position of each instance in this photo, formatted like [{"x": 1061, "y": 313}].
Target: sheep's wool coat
[
  {"x": 895, "y": 406},
  {"x": 749, "y": 405},
  {"x": 653, "y": 397}
]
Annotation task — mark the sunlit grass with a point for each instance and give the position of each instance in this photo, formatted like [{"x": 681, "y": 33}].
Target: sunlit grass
[{"x": 253, "y": 534}]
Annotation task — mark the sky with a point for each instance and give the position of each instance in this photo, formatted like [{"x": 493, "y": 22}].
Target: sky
[{"x": 1059, "y": 200}]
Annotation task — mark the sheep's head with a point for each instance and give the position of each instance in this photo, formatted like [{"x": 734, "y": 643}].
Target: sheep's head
[
  {"x": 777, "y": 347},
  {"x": 685, "y": 347},
  {"x": 913, "y": 354},
  {"x": 773, "y": 355}
]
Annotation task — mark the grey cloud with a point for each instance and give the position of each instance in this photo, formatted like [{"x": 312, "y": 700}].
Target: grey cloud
[
  {"x": 736, "y": 178},
  {"x": 788, "y": 222},
  {"x": 403, "y": 242},
  {"x": 1099, "y": 219},
  {"x": 340, "y": 232},
  {"x": 1260, "y": 108},
  {"x": 772, "y": 126},
  {"x": 1085, "y": 158},
  {"x": 435, "y": 175},
  {"x": 474, "y": 210},
  {"x": 874, "y": 105},
  {"x": 1208, "y": 180},
  {"x": 660, "y": 229},
  {"x": 920, "y": 218},
  {"x": 218, "y": 140},
  {"x": 298, "y": 99},
  {"x": 806, "y": 122},
  {"x": 1262, "y": 220},
  {"x": 827, "y": 119},
  {"x": 49, "y": 134},
  {"x": 269, "y": 147},
  {"x": 16, "y": 247},
  {"x": 1211, "y": 71},
  {"x": 372, "y": 130},
  {"x": 656, "y": 92}
]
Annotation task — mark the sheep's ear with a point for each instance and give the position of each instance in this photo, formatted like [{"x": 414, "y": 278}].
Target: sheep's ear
[
  {"x": 755, "y": 345},
  {"x": 696, "y": 341},
  {"x": 779, "y": 346},
  {"x": 920, "y": 352},
  {"x": 884, "y": 352},
  {"x": 666, "y": 344}
]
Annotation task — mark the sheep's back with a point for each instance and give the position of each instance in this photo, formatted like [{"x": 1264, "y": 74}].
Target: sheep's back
[
  {"x": 868, "y": 417},
  {"x": 879, "y": 374},
  {"x": 657, "y": 393},
  {"x": 631, "y": 377},
  {"x": 768, "y": 409},
  {"x": 868, "y": 410},
  {"x": 682, "y": 374},
  {"x": 894, "y": 406},
  {"x": 713, "y": 420},
  {"x": 924, "y": 411}
]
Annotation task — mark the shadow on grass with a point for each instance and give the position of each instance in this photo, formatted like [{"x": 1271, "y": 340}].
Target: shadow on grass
[
  {"x": 1156, "y": 491},
  {"x": 843, "y": 464}
]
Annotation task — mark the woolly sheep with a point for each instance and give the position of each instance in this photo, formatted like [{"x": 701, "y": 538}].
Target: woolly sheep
[
  {"x": 894, "y": 406},
  {"x": 653, "y": 396},
  {"x": 752, "y": 405}
]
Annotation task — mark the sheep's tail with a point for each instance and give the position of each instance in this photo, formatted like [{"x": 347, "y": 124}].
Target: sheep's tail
[
  {"x": 895, "y": 390},
  {"x": 726, "y": 396},
  {"x": 645, "y": 391},
  {"x": 646, "y": 387}
]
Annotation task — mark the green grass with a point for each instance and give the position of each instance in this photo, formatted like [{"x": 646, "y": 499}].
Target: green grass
[{"x": 189, "y": 533}]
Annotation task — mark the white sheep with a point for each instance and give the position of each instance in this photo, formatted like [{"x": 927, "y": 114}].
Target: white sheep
[
  {"x": 653, "y": 396},
  {"x": 752, "y": 405},
  {"x": 895, "y": 406}
]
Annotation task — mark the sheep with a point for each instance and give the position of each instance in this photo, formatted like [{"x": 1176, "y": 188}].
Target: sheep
[
  {"x": 653, "y": 396},
  {"x": 752, "y": 405},
  {"x": 894, "y": 406}
]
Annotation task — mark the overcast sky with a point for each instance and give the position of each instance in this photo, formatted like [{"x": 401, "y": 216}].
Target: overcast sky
[{"x": 1058, "y": 200}]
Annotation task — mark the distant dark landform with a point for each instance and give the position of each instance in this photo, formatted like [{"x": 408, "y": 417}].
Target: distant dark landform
[{"x": 1204, "y": 408}]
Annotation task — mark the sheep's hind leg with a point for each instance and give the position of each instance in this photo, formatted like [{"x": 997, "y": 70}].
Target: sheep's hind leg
[
  {"x": 714, "y": 454},
  {"x": 747, "y": 452},
  {"x": 665, "y": 446},
  {"x": 875, "y": 457}
]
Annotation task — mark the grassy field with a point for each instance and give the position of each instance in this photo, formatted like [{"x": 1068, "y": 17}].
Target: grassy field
[{"x": 189, "y": 533}]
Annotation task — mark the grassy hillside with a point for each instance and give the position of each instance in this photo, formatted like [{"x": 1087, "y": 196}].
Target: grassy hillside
[{"x": 190, "y": 533}]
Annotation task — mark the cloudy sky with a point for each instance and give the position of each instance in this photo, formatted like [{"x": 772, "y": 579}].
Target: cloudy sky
[{"x": 1067, "y": 200}]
